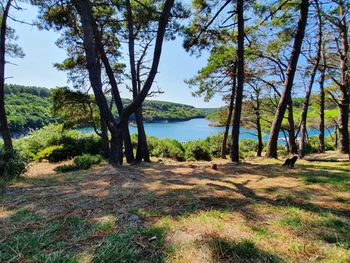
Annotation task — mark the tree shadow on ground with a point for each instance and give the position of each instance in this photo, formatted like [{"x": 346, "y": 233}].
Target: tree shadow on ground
[
  {"x": 137, "y": 195},
  {"x": 243, "y": 251}
]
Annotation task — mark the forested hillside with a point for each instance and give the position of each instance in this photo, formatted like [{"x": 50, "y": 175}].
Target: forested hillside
[
  {"x": 31, "y": 108},
  {"x": 218, "y": 118}
]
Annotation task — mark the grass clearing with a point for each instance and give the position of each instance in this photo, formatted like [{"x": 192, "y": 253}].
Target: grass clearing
[{"x": 256, "y": 211}]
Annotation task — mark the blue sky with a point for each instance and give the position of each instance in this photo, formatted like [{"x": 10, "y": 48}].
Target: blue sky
[{"x": 36, "y": 68}]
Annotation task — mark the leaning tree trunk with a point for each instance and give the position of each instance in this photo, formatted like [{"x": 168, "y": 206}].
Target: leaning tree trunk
[
  {"x": 229, "y": 116},
  {"x": 240, "y": 83},
  {"x": 344, "y": 83},
  {"x": 83, "y": 8},
  {"x": 288, "y": 84},
  {"x": 322, "y": 103},
  {"x": 291, "y": 131},
  {"x": 302, "y": 140},
  {"x": 142, "y": 147},
  {"x": 5, "y": 131},
  {"x": 129, "y": 155}
]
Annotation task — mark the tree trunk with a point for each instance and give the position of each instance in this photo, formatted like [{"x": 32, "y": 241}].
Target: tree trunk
[
  {"x": 83, "y": 8},
  {"x": 104, "y": 137},
  {"x": 5, "y": 131},
  {"x": 288, "y": 84},
  {"x": 118, "y": 130},
  {"x": 115, "y": 94},
  {"x": 291, "y": 131},
  {"x": 240, "y": 83},
  {"x": 142, "y": 147},
  {"x": 142, "y": 151},
  {"x": 322, "y": 103},
  {"x": 344, "y": 83},
  {"x": 230, "y": 111},
  {"x": 302, "y": 140},
  {"x": 258, "y": 128}
]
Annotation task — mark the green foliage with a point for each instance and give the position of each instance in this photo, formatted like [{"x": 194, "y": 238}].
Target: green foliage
[
  {"x": 27, "y": 107},
  {"x": 71, "y": 143},
  {"x": 198, "y": 150},
  {"x": 85, "y": 161},
  {"x": 215, "y": 144},
  {"x": 52, "y": 153},
  {"x": 82, "y": 162},
  {"x": 11, "y": 164},
  {"x": 248, "y": 145},
  {"x": 166, "y": 148},
  {"x": 312, "y": 146}
]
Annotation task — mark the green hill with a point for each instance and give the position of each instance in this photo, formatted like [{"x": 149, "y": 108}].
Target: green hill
[{"x": 30, "y": 108}]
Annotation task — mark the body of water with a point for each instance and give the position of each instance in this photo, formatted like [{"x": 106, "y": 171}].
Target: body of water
[{"x": 193, "y": 129}]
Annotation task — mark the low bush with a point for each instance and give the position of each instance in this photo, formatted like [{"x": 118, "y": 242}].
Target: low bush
[
  {"x": 85, "y": 161},
  {"x": 82, "y": 162},
  {"x": 11, "y": 164},
  {"x": 167, "y": 148},
  {"x": 55, "y": 144},
  {"x": 215, "y": 143},
  {"x": 198, "y": 150},
  {"x": 52, "y": 154}
]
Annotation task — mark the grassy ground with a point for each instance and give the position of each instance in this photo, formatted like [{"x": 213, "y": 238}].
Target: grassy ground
[{"x": 256, "y": 211}]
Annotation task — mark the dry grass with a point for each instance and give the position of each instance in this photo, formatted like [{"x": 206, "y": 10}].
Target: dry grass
[{"x": 167, "y": 211}]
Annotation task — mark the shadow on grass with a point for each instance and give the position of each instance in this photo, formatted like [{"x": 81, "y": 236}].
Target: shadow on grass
[
  {"x": 62, "y": 207},
  {"x": 243, "y": 251}
]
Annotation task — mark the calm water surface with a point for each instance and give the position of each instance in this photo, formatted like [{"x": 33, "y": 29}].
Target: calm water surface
[
  {"x": 194, "y": 129},
  {"x": 197, "y": 129}
]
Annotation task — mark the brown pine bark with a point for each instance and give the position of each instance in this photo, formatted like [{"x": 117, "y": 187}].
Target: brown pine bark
[
  {"x": 230, "y": 111},
  {"x": 322, "y": 103},
  {"x": 5, "y": 131},
  {"x": 240, "y": 83},
  {"x": 344, "y": 83},
  {"x": 302, "y": 140},
  {"x": 291, "y": 132},
  {"x": 288, "y": 84}
]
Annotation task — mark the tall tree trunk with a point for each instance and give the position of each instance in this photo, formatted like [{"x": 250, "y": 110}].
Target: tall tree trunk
[
  {"x": 5, "y": 131},
  {"x": 302, "y": 140},
  {"x": 117, "y": 130},
  {"x": 230, "y": 111},
  {"x": 240, "y": 83},
  {"x": 258, "y": 126},
  {"x": 115, "y": 93},
  {"x": 142, "y": 147},
  {"x": 344, "y": 83},
  {"x": 322, "y": 103},
  {"x": 83, "y": 8},
  {"x": 288, "y": 84},
  {"x": 291, "y": 131},
  {"x": 142, "y": 151}
]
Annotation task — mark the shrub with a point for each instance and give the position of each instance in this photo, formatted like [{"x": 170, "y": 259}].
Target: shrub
[
  {"x": 197, "y": 150},
  {"x": 167, "y": 148},
  {"x": 85, "y": 161},
  {"x": 215, "y": 143},
  {"x": 248, "y": 145},
  {"x": 49, "y": 153},
  {"x": 43, "y": 143},
  {"x": 11, "y": 164},
  {"x": 82, "y": 162}
]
